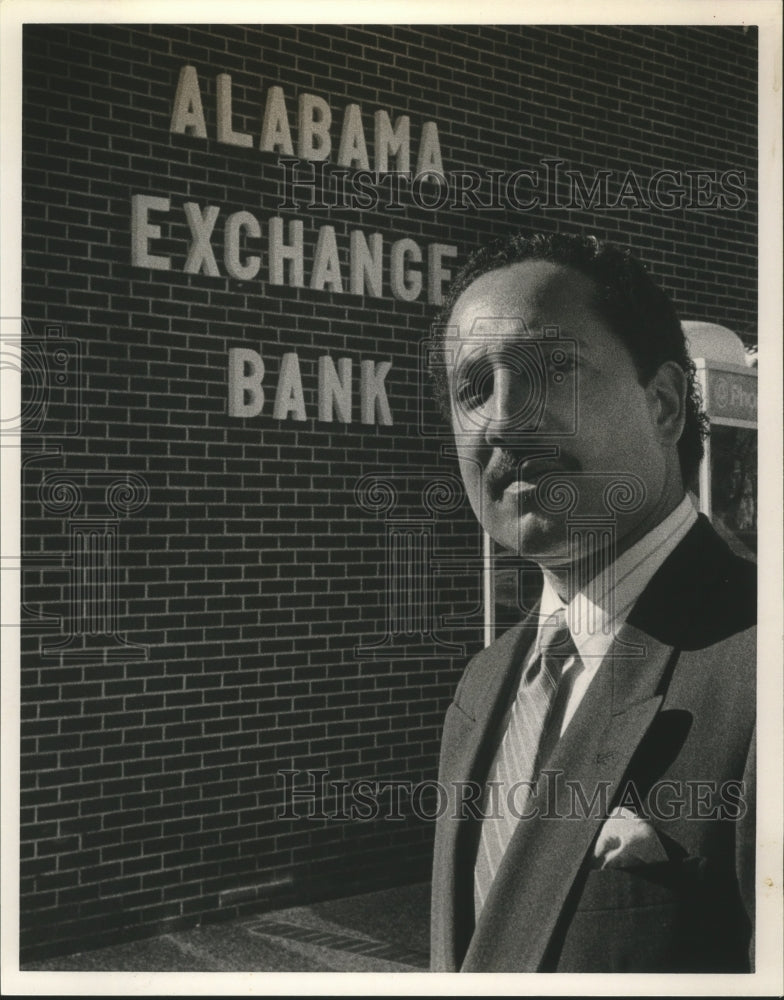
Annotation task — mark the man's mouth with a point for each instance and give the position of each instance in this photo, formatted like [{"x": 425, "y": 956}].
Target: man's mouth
[{"x": 521, "y": 479}]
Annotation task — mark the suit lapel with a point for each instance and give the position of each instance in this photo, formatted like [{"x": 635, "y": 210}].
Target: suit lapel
[
  {"x": 520, "y": 915},
  {"x": 471, "y": 733}
]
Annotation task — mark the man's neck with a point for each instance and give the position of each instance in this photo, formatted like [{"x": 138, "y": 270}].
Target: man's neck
[{"x": 568, "y": 578}]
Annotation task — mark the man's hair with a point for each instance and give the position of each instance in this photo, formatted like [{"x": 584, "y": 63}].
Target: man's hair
[{"x": 627, "y": 298}]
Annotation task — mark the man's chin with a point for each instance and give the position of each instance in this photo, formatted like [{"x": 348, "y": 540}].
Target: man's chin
[{"x": 537, "y": 537}]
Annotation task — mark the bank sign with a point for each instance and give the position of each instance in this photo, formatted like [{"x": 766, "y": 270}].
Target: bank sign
[
  {"x": 412, "y": 270},
  {"x": 731, "y": 395},
  {"x": 404, "y": 268}
]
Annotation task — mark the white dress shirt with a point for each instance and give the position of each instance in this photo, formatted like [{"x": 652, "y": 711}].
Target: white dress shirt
[{"x": 596, "y": 613}]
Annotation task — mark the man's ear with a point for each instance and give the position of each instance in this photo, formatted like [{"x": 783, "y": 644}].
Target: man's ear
[{"x": 666, "y": 392}]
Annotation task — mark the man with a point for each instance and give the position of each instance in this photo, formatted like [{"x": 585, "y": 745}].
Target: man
[{"x": 601, "y": 793}]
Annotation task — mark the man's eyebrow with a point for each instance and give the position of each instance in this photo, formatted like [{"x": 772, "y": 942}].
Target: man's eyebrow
[
  {"x": 544, "y": 333},
  {"x": 469, "y": 355},
  {"x": 467, "y": 361}
]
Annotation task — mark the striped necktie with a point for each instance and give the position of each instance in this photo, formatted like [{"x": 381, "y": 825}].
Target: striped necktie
[{"x": 516, "y": 759}]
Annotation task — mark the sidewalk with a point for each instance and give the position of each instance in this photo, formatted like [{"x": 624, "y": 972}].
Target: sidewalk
[{"x": 384, "y": 931}]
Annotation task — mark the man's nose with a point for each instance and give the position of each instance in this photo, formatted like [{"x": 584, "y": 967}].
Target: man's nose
[{"x": 517, "y": 405}]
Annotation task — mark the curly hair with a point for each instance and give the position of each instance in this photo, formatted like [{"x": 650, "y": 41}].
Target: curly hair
[{"x": 627, "y": 298}]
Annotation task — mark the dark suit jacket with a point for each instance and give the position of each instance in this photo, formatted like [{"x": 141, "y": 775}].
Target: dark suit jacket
[{"x": 671, "y": 733}]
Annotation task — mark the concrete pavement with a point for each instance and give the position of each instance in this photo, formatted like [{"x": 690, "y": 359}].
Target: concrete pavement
[{"x": 383, "y": 931}]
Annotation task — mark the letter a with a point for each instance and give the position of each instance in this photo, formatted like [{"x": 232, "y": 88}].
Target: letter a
[{"x": 188, "y": 113}]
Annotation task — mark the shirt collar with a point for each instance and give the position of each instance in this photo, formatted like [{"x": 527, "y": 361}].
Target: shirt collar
[{"x": 596, "y": 612}]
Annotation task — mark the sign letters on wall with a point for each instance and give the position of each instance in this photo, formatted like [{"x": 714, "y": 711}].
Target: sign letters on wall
[{"x": 401, "y": 268}]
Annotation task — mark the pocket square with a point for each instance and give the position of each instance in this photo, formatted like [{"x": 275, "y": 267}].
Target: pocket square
[{"x": 627, "y": 841}]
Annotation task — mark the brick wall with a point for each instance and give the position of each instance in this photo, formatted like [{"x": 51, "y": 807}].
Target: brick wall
[{"x": 201, "y": 589}]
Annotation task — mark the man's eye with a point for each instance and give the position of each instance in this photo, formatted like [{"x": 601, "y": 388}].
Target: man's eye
[
  {"x": 476, "y": 389},
  {"x": 562, "y": 363}
]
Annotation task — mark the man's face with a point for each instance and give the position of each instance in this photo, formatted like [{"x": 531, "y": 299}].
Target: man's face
[{"x": 525, "y": 406}]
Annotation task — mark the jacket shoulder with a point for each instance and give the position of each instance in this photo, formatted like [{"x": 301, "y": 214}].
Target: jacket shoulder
[
  {"x": 702, "y": 593},
  {"x": 724, "y": 673}
]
